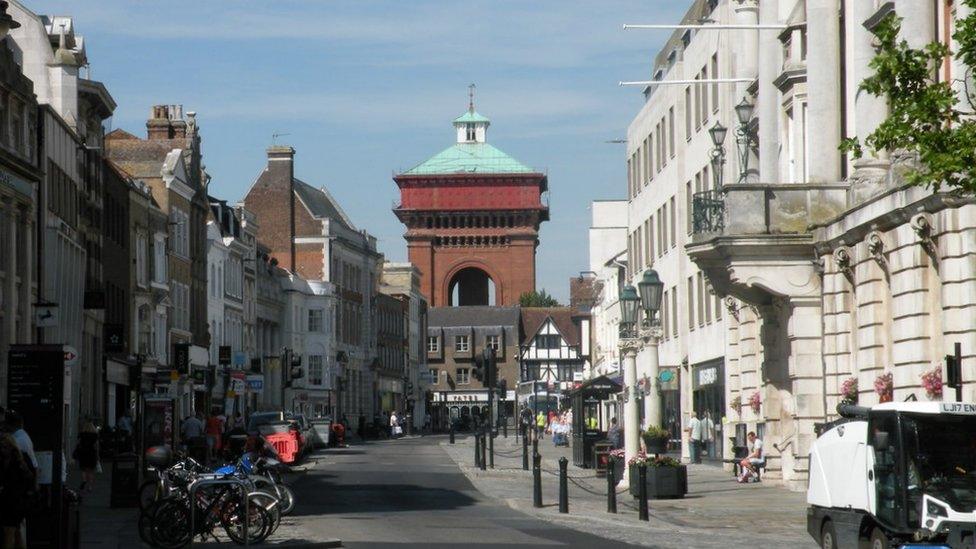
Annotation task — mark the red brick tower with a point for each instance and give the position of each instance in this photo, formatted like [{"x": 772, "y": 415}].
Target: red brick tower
[{"x": 472, "y": 215}]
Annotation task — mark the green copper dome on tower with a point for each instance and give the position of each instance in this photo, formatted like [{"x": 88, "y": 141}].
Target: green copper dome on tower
[{"x": 471, "y": 153}]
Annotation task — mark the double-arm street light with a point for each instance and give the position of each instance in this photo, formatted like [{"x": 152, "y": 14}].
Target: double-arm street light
[{"x": 635, "y": 335}]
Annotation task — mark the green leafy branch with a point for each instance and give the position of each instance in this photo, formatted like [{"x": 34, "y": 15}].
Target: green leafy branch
[{"x": 924, "y": 116}]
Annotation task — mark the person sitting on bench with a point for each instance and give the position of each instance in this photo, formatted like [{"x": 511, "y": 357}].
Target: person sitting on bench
[{"x": 756, "y": 459}]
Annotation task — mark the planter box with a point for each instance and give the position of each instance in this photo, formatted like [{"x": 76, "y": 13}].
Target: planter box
[
  {"x": 656, "y": 445},
  {"x": 662, "y": 482}
]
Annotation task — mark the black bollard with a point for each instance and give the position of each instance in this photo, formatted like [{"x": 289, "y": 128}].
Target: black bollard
[
  {"x": 505, "y": 428},
  {"x": 452, "y": 432},
  {"x": 491, "y": 448},
  {"x": 525, "y": 453},
  {"x": 611, "y": 487},
  {"x": 484, "y": 450},
  {"x": 477, "y": 451},
  {"x": 563, "y": 486},
  {"x": 536, "y": 480},
  {"x": 642, "y": 492}
]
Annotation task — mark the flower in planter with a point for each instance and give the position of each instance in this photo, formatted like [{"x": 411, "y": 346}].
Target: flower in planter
[
  {"x": 755, "y": 401},
  {"x": 848, "y": 391},
  {"x": 641, "y": 458},
  {"x": 618, "y": 453},
  {"x": 736, "y": 404},
  {"x": 932, "y": 383},
  {"x": 884, "y": 386},
  {"x": 664, "y": 461}
]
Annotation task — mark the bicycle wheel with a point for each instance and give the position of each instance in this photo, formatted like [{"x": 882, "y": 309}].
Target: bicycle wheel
[
  {"x": 286, "y": 499},
  {"x": 258, "y": 523},
  {"x": 171, "y": 524},
  {"x": 149, "y": 492},
  {"x": 271, "y": 504}
]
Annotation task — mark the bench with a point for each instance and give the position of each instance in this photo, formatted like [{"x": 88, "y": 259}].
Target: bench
[{"x": 736, "y": 467}]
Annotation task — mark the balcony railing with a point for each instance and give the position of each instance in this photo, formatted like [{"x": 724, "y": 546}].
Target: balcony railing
[
  {"x": 783, "y": 208},
  {"x": 708, "y": 212}
]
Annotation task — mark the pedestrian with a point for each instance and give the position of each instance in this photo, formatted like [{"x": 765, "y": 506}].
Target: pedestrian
[
  {"x": 237, "y": 425},
  {"x": 708, "y": 434},
  {"x": 215, "y": 432},
  {"x": 125, "y": 426},
  {"x": 17, "y": 482},
  {"x": 395, "y": 428},
  {"x": 15, "y": 426},
  {"x": 86, "y": 454},
  {"x": 540, "y": 424},
  {"x": 192, "y": 431},
  {"x": 613, "y": 435},
  {"x": 756, "y": 459},
  {"x": 694, "y": 438}
]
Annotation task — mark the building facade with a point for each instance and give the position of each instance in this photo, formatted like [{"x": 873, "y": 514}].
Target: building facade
[
  {"x": 455, "y": 337},
  {"x": 318, "y": 242},
  {"x": 554, "y": 353},
  {"x": 21, "y": 174},
  {"x": 668, "y": 164},
  {"x": 402, "y": 280},
  {"x": 608, "y": 267},
  {"x": 472, "y": 215}
]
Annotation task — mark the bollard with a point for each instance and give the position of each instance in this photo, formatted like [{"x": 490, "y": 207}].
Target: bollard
[
  {"x": 563, "y": 486},
  {"x": 642, "y": 492},
  {"x": 536, "y": 480},
  {"x": 477, "y": 451},
  {"x": 491, "y": 447},
  {"x": 452, "y": 432},
  {"x": 484, "y": 450},
  {"x": 505, "y": 428},
  {"x": 611, "y": 487},
  {"x": 525, "y": 453}
]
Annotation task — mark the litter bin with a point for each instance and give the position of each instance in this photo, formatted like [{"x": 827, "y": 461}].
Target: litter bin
[{"x": 125, "y": 481}]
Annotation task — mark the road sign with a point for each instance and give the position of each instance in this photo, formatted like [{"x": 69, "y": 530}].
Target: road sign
[
  {"x": 46, "y": 315},
  {"x": 255, "y": 383},
  {"x": 224, "y": 355}
]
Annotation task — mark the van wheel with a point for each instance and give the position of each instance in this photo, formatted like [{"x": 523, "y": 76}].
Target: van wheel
[
  {"x": 828, "y": 537},
  {"x": 879, "y": 540}
]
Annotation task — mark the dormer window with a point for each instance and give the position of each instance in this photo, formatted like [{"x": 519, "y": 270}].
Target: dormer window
[{"x": 469, "y": 132}]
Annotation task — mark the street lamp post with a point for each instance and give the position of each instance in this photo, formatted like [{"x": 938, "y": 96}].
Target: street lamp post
[
  {"x": 743, "y": 137},
  {"x": 635, "y": 335},
  {"x": 718, "y": 133}
]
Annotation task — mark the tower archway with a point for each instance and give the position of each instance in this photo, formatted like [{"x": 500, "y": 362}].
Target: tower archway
[{"x": 471, "y": 286}]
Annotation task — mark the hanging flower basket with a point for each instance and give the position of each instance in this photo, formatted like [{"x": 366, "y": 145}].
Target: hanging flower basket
[
  {"x": 755, "y": 401},
  {"x": 736, "y": 404},
  {"x": 848, "y": 391},
  {"x": 932, "y": 383},
  {"x": 884, "y": 386}
]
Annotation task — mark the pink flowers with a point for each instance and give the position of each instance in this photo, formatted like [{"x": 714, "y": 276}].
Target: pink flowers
[
  {"x": 618, "y": 453},
  {"x": 884, "y": 386},
  {"x": 932, "y": 382},
  {"x": 848, "y": 391},
  {"x": 640, "y": 459},
  {"x": 755, "y": 401}
]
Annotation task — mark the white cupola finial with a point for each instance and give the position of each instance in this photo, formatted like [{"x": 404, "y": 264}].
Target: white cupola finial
[{"x": 471, "y": 127}]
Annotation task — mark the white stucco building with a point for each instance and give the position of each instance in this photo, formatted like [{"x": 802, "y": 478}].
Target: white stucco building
[
  {"x": 829, "y": 269},
  {"x": 608, "y": 264}
]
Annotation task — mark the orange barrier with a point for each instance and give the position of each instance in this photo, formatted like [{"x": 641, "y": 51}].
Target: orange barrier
[{"x": 286, "y": 444}]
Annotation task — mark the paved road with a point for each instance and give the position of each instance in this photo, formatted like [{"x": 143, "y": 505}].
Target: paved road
[{"x": 409, "y": 493}]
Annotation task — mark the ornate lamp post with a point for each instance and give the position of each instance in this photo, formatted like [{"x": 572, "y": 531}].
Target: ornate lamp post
[
  {"x": 635, "y": 335},
  {"x": 718, "y": 133},
  {"x": 743, "y": 138}
]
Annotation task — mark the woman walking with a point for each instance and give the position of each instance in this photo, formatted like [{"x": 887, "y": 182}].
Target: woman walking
[{"x": 86, "y": 454}]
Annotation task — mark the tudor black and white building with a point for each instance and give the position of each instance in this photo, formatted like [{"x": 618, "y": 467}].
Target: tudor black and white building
[{"x": 553, "y": 355}]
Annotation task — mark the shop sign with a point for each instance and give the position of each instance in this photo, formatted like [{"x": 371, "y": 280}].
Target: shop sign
[
  {"x": 255, "y": 383},
  {"x": 708, "y": 374}
]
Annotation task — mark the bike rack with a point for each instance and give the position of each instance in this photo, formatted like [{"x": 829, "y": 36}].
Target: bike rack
[{"x": 197, "y": 484}]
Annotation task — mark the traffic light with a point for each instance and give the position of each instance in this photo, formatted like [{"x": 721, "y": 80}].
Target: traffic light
[
  {"x": 478, "y": 372},
  {"x": 491, "y": 367},
  {"x": 502, "y": 389}
]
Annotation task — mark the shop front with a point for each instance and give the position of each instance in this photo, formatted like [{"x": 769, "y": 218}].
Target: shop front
[{"x": 708, "y": 386}]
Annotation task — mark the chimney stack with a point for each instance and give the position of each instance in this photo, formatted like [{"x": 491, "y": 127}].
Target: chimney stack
[{"x": 166, "y": 122}]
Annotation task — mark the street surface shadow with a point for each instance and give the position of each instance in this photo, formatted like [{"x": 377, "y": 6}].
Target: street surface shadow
[{"x": 322, "y": 498}]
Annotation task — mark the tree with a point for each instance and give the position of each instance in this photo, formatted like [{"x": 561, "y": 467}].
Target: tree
[
  {"x": 924, "y": 116},
  {"x": 538, "y": 299}
]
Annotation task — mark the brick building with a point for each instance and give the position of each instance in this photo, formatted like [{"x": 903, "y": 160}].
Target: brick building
[
  {"x": 472, "y": 215},
  {"x": 455, "y": 336},
  {"x": 305, "y": 229}
]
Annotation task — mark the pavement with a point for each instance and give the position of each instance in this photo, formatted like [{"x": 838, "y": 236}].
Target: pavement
[{"x": 717, "y": 512}]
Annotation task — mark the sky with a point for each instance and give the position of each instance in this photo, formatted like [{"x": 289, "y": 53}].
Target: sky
[{"x": 366, "y": 89}]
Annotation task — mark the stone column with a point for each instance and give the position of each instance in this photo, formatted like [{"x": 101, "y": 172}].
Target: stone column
[
  {"x": 631, "y": 426},
  {"x": 11, "y": 268},
  {"x": 869, "y": 111},
  {"x": 823, "y": 90},
  {"x": 746, "y": 43},
  {"x": 767, "y": 105},
  {"x": 27, "y": 277},
  {"x": 805, "y": 335}
]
